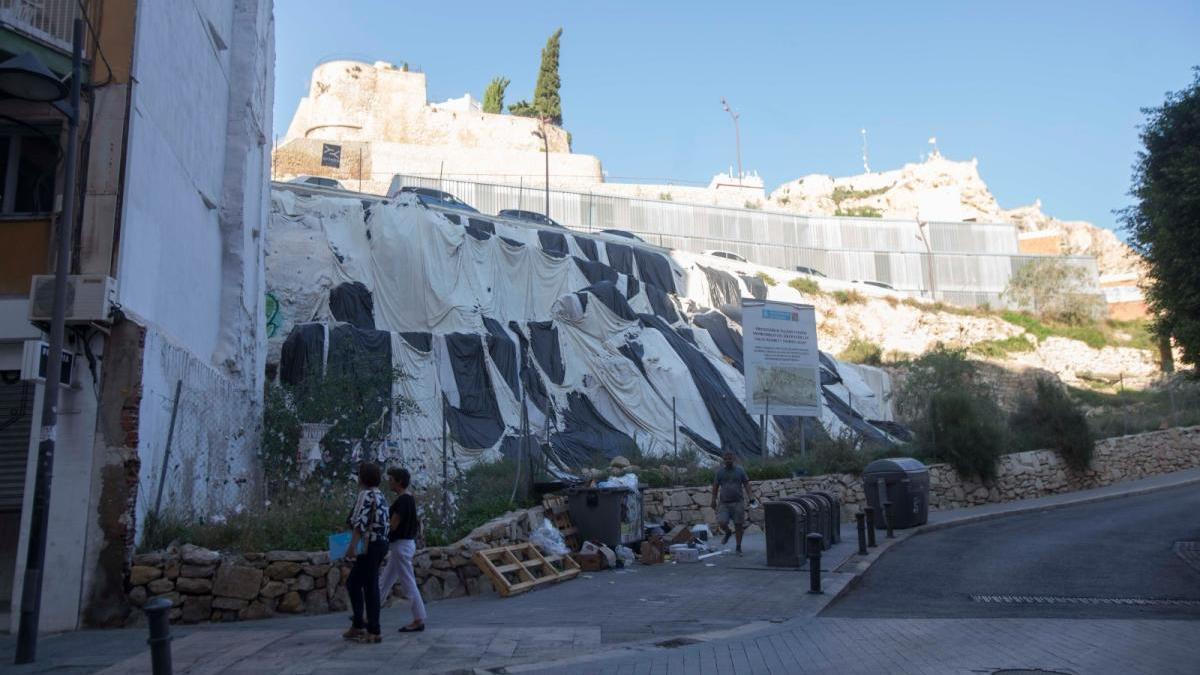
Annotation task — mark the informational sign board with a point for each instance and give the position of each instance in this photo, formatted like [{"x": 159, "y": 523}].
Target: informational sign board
[{"x": 782, "y": 363}]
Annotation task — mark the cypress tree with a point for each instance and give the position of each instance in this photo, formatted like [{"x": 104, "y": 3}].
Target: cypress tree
[
  {"x": 546, "y": 100},
  {"x": 493, "y": 96}
]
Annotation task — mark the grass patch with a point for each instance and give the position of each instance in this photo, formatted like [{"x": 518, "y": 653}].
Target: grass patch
[
  {"x": 767, "y": 278},
  {"x": 1134, "y": 411},
  {"x": 841, "y": 194},
  {"x": 805, "y": 285},
  {"x": 859, "y": 212},
  {"x": 862, "y": 351},
  {"x": 1134, "y": 334},
  {"x": 998, "y": 349},
  {"x": 850, "y": 297}
]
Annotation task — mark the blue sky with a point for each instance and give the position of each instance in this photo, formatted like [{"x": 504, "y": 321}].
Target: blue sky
[{"x": 1045, "y": 94}]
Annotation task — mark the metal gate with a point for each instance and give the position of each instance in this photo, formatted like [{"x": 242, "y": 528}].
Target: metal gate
[{"x": 16, "y": 419}]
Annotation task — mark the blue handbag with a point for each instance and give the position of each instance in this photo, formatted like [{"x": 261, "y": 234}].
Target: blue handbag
[{"x": 338, "y": 543}]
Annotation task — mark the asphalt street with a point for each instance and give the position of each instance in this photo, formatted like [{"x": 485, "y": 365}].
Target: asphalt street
[{"x": 1112, "y": 559}]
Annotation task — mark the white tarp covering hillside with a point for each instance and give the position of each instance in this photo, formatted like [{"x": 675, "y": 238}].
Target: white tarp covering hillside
[{"x": 598, "y": 336}]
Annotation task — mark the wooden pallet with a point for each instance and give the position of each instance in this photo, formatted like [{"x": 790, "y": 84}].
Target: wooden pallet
[
  {"x": 516, "y": 569},
  {"x": 558, "y": 513}
]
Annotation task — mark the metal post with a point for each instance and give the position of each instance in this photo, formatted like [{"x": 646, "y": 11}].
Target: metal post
[
  {"x": 445, "y": 482},
  {"x": 814, "y": 543},
  {"x": 1124, "y": 411},
  {"x": 675, "y": 438},
  {"x": 546, "y": 145},
  {"x": 162, "y": 475},
  {"x": 859, "y": 522},
  {"x": 31, "y": 593},
  {"x": 766, "y": 427},
  {"x": 360, "y": 168},
  {"x": 887, "y": 519},
  {"x": 803, "y": 436},
  {"x": 160, "y": 635},
  {"x": 869, "y": 512}
]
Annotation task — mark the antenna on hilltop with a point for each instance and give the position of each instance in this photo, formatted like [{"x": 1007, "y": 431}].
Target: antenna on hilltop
[
  {"x": 866, "y": 164},
  {"x": 933, "y": 142}
]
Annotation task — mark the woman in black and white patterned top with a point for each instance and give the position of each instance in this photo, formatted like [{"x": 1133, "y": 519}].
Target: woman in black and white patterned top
[{"x": 369, "y": 524}]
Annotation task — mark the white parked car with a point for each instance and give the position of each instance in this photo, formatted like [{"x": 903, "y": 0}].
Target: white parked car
[
  {"x": 724, "y": 254},
  {"x": 318, "y": 181}
]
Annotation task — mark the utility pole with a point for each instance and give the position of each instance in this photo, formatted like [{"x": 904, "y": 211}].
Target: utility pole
[
  {"x": 737, "y": 137},
  {"x": 541, "y": 133},
  {"x": 35, "y": 561}
]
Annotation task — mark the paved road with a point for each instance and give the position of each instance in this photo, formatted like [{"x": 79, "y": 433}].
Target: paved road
[{"x": 1120, "y": 548}]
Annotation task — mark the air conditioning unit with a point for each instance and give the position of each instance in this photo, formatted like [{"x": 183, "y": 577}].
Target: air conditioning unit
[{"x": 90, "y": 298}]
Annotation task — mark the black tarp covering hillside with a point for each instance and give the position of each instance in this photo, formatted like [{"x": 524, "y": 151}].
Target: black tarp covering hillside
[
  {"x": 553, "y": 243},
  {"x": 588, "y": 247},
  {"x": 531, "y": 380},
  {"x": 723, "y": 287},
  {"x": 586, "y": 433},
  {"x": 756, "y": 286},
  {"x": 419, "y": 341},
  {"x": 738, "y": 432},
  {"x": 728, "y": 340},
  {"x": 654, "y": 269},
  {"x": 608, "y": 294},
  {"x": 476, "y": 421},
  {"x": 543, "y": 342},
  {"x": 596, "y": 271},
  {"x": 503, "y": 352},
  {"x": 661, "y": 303},
  {"x": 302, "y": 353},
  {"x": 620, "y": 257},
  {"x": 351, "y": 302}
]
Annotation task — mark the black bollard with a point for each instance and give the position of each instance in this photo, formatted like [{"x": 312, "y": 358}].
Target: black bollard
[
  {"x": 887, "y": 519},
  {"x": 862, "y": 532},
  {"x": 814, "y": 544},
  {"x": 870, "y": 513},
  {"x": 160, "y": 635}
]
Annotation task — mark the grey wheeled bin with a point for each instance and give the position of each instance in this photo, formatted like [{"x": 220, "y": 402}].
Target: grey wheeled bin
[
  {"x": 905, "y": 483},
  {"x": 606, "y": 515},
  {"x": 786, "y": 524}
]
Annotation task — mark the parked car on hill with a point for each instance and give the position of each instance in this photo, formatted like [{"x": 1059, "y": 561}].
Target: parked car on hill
[
  {"x": 431, "y": 197},
  {"x": 318, "y": 181},
  {"x": 529, "y": 217},
  {"x": 810, "y": 271},
  {"x": 877, "y": 284},
  {"x": 623, "y": 233},
  {"x": 728, "y": 255}
]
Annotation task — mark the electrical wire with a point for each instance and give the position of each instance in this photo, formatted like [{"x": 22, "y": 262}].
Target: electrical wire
[{"x": 95, "y": 38}]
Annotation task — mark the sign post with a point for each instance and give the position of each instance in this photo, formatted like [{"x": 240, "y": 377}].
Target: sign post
[{"x": 782, "y": 362}]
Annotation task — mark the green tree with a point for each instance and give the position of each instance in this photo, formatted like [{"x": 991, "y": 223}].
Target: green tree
[
  {"x": 493, "y": 96},
  {"x": 1055, "y": 290},
  {"x": 1163, "y": 223},
  {"x": 546, "y": 100}
]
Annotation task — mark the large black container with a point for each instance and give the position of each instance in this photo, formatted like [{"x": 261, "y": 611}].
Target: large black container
[
  {"x": 786, "y": 524},
  {"x": 819, "y": 520},
  {"x": 905, "y": 483},
  {"x": 602, "y": 515}
]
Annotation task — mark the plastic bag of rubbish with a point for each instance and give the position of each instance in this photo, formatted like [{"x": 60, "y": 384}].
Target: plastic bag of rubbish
[
  {"x": 624, "y": 554},
  {"x": 547, "y": 538}
]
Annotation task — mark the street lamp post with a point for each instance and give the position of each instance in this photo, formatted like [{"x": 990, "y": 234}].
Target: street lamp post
[
  {"x": 929, "y": 251},
  {"x": 26, "y": 78},
  {"x": 737, "y": 137},
  {"x": 541, "y": 133}
]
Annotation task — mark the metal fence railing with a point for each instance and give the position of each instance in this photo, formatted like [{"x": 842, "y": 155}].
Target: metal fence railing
[
  {"x": 47, "y": 20},
  {"x": 965, "y": 263}
]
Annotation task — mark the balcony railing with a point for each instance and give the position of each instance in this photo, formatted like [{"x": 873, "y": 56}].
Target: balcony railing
[{"x": 47, "y": 21}]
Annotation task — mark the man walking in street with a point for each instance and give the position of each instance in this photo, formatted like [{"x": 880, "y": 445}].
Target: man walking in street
[{"x": 731, "y": 487}]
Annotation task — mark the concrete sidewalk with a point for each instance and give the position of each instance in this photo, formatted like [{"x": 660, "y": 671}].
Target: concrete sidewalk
[{"x": 665, "y": 616}]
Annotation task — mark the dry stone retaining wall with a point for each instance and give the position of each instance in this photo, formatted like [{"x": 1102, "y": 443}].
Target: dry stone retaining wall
[{"x": 205, "y": 585}]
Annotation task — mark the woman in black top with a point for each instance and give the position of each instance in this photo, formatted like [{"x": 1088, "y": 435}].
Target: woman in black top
[
  {"x": 404, "y": 526},
  {"x": 369, "y": 524}
]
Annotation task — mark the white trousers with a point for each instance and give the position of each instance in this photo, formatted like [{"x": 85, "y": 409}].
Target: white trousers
[{"x": 400, "y": 567}]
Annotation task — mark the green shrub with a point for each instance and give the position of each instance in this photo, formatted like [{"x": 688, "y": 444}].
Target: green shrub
[
  {"x": 862, "y": 351},
  {"x": 805, "y": 285},
  {"x": 665, "y": 196},
  {"x": 767, "y": 278},
  {"x": 963, "y": 430},
  {"x": 859, "y": 212},
  {"x": 1049, "y": 419},
  {"x": 850, "y": 297},
  {"x": 1055, "y": 290},
  {"x": 841, "y": 194},
  {"x": 1091, "y": 335},
  {"x": 998, "y": 349}
]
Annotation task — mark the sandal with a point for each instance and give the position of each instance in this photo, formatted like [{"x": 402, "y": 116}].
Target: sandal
[
  {"x": 369, "y": 638},
  {"x": 411, "y": 628}
]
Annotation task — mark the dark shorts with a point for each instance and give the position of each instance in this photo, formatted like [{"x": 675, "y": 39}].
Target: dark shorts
[{"x": 731, "y": 511}]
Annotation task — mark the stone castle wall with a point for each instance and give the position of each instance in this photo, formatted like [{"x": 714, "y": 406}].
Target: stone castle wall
[{"x": 206, "y": 585}]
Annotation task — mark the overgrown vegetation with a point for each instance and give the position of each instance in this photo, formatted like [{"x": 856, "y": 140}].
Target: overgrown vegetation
[
  {"x": 1162, "y": 224},
  {"x": 1049, "y": 419},
  {"x": 841, "y": 194},
  {"x": 483, "y": 492},
  {"x": 952, "y": 414},
  {"x": 805, "y": 285},
  {"x": 850, "y": 297},
  {"x": 665, "y": 196},
  {"x": 767, "y": 278},
  {"x": 1174, "y": 403},
  {"x": 859, "y": 212},
  {"x": 546, "y": 101},
  {"x": 1057, "y": 291},
  {"x": 998, "y": 349},
  {"x": 752, "y": 204},
  {"x": 862, "y": 351}
]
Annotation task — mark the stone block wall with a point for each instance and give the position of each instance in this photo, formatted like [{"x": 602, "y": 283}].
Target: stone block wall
[
  {"x": 204, "y": 585},
  {"x": 1022, "y": 475}
]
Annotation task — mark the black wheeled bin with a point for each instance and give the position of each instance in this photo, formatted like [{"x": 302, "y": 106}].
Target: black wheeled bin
[
  {"x": 904, "y": 482},
  {"x": 605, "y": 515},
  {"x": 786, "y": 524},
  {"x": 817, "y": 511}
]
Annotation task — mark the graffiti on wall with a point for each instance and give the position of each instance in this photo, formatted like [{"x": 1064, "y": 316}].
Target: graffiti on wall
[{"x": 274, "y": 318}]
